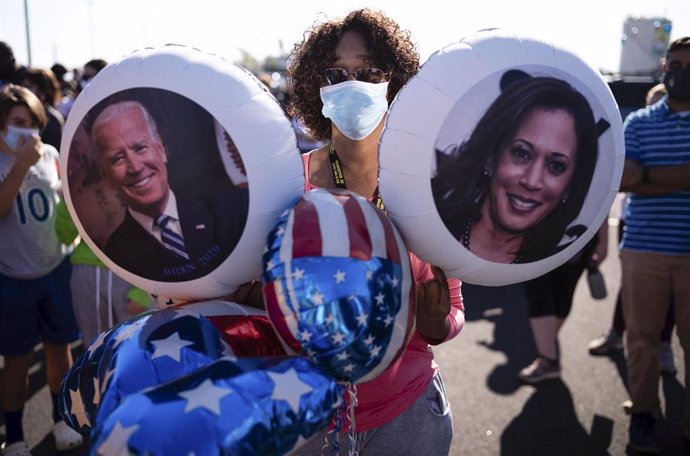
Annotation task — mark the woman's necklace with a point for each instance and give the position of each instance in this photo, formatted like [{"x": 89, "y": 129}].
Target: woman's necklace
[
  {"x": 466, "y": 235},
  {"x": 339, "y": 177},
  {"x": 466, "y": 240}
]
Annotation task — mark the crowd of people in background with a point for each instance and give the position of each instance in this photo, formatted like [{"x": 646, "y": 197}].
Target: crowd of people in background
[
  {"x": 80, "y": 297},
  {"x": 655, "y": 279},
  {"x": 53, "y": 288}
]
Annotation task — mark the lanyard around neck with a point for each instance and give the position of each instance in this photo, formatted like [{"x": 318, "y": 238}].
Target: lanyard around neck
[{"x": 339, "y": 176}]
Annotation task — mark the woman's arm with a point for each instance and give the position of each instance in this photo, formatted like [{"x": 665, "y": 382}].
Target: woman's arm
[
  {"x": 440, "y": 308},
  {"x": 602, "y": 248}
]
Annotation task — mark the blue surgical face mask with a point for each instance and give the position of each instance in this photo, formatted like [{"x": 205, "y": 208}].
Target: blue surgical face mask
[
  {"x": 355, "y": 107},
  {"x": 14, "y": 134}
]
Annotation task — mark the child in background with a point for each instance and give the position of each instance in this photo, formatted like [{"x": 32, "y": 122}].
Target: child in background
[
  {"x": 35, "y": 301},
  {"x": 100, "y": 298}
]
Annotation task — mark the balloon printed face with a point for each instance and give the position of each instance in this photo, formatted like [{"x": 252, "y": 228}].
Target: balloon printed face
[
  {"x": 145, "y": 167},
  {"x": 533, "y": 171},
  {"x": 176, "y": 164},
  {"x": 533, "y": 154},
  {"x": 132, "y": 158},
  {"x": 337, "y": 284},
  {"x": 510, "y": 169}
]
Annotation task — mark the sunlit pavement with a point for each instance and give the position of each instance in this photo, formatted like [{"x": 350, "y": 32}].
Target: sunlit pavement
[{"x": 580, "y": 414}]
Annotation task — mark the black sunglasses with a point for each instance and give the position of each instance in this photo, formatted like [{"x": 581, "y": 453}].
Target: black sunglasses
[{"x": 332, "y": 76}]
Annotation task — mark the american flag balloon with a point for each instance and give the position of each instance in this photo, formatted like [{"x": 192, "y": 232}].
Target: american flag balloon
[
  {"x": 157, "y": 347},
  {"x": 337, "y": 284},
  {"x": 246, "y": 406}
]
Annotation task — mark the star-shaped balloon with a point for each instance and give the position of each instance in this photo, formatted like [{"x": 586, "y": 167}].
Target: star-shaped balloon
[
  {"x": 158, "y": 347},
  {"x": 257, "y": 406}
]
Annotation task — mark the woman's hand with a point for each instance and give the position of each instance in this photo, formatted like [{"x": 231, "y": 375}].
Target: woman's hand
[
  {"x": 602, "y": 248},
  {"x": 599, "y": 254},
  {"x": 433, "y": 306}
]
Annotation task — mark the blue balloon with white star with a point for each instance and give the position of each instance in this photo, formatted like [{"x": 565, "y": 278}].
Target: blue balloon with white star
[
  {"x": 158, "y": 347},
  {"x": 246, "y": 406}
]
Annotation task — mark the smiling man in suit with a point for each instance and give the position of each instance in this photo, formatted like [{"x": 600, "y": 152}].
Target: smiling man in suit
[{"x": 163, "y": 236}]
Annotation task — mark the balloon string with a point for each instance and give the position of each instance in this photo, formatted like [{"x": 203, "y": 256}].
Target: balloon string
[
  {"x": 331, "y": 440},
  {"x": 352, "y": 431},
  {"x": 99, "y": 327}
]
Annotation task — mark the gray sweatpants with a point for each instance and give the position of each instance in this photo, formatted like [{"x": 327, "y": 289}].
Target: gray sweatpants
[
  {"x": 425, "y": 428},
  {"x": 99, "y": 298}
]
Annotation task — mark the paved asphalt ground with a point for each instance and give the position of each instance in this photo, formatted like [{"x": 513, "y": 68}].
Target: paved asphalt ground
[{"x": 579, "y": 415}]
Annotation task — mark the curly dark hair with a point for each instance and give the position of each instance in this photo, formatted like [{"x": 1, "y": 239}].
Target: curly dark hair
[{"x": 389, "y": 46}]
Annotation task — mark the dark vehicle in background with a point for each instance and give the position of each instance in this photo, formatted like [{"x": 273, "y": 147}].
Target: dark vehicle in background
[{"x": 630, "y": 92}]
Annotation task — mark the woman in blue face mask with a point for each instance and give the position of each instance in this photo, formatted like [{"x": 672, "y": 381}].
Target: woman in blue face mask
[{"x": 345, "y": 73}]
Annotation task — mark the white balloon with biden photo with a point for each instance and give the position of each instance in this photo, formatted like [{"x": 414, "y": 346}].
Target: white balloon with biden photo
[{"x": 177, "y": 163}]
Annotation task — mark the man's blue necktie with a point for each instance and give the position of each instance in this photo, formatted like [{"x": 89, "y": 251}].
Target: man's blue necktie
[{"x": 171, "y": 240}]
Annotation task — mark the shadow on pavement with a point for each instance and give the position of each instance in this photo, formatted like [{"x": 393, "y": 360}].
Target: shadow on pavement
[
  {"x": 670, "y": 427},
  {"x": 617, "y": 358},
  {"x": 549, "y": 425},
  {"x": 512, "y": 333}
]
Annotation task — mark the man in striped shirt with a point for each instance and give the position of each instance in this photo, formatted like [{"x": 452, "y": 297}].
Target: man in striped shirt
[{"x": 655, "y": 250}]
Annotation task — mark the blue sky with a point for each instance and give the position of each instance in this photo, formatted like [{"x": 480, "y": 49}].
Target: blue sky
[{"x": 74, "y": 31}]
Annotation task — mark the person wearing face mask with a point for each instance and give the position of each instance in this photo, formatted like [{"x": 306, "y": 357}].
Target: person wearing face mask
[
  {"x": 655, "y": 250},
  {"x": 345, "y": 73},
  {"x": 91, "y": 69},
  {"x": 35, "y": 300},
  {"x": 43, "y": 83}
]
